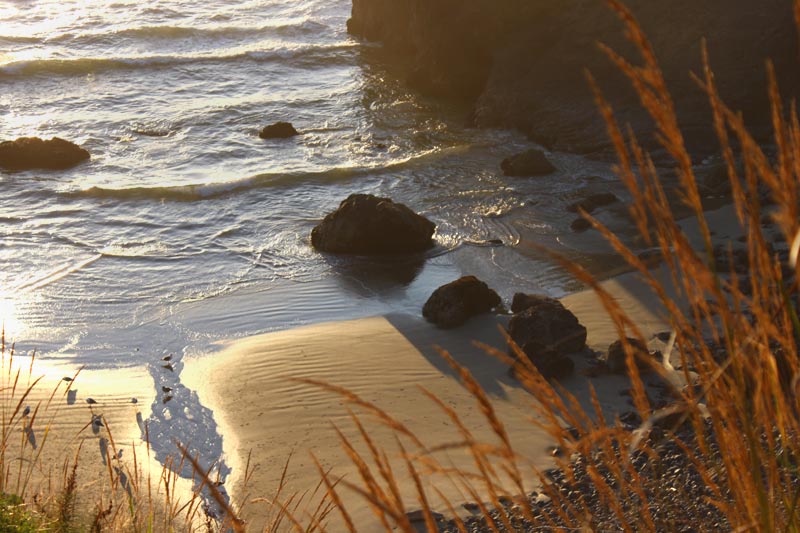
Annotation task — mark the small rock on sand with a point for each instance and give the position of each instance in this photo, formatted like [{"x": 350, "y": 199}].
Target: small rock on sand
[
  {"x": 546, "y": 332},
  {"x": 615, "y": 360},
  {"x": 451, "y": 305}
]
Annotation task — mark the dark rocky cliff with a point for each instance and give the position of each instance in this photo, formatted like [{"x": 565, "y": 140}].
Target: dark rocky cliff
[{"x": 521, "y": 62}]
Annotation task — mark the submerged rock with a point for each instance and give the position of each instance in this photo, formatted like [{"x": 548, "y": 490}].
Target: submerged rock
[
  {"x": 279, "y": 130},
  {"x": 28, "y": 153},
  {"x": 451, "y": 305},
  {"x": 580, "y": 225},
  {"x": 530, "y": 163},
  {"x": 592, "y": 202},
  {"x": 366, "y": 224},
  {"x": 546, "y": 331}
]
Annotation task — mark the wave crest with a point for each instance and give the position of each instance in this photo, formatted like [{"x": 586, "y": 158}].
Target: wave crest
[
  {"x": 207, "y": 191},
  {"x": 324, "y": 54}
]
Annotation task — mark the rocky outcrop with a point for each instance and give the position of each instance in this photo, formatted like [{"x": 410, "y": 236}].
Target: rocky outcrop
[
  {"x": 28, "y": 153},
  {"x": 546, "y": 332},
  {"x": 365, "y": 224},
  {"x": 279, "y": 130},
  {"x": 521, "y": 62},
  {"x": 529, "y": 163},
  {"x": 451, "y": 305}
]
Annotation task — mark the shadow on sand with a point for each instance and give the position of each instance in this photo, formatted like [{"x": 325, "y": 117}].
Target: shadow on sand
[{"x": 493, "y": 375}]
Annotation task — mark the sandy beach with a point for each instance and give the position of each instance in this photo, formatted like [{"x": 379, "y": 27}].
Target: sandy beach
[
  {"x": 94, "y": 419},
  {"x": 266, "y": 416}
]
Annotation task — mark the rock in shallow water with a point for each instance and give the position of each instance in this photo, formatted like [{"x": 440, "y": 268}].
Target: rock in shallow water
[
  {"x": 579, "y": 225},
  {"x": 451, "y": 305},
  {"x": 366, "y": 224},
  {"x": 530, "y": 163},
  {"x": 279, "y": 130},
  {"x": 28, "y": 153},
  {"x": 592, "y": 202}
]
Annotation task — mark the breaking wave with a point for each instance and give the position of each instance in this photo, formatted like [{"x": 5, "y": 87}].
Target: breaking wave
[{"x": 322, "y": 54}]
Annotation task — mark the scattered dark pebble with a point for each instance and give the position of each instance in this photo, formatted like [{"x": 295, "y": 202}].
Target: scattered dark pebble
[
  {"x": 555, "y": 451},
  {"x": 681, "y": 502},
  {"x": 663, "y": 336},
  {"x": 651, "y": 258}
]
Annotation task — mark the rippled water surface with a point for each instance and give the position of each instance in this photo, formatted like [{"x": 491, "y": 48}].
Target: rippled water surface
[{"x": 186, "y": 228}]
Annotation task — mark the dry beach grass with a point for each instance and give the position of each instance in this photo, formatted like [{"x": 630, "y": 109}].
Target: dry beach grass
[{"x": 72, "y": 462}]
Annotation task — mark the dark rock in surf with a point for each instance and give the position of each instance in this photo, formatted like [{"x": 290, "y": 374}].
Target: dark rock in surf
[
  {"x": 615, "y": 360},
  {"x": 451, "y": 305},
  {"x": 365, "y": 224},
  {"x": 530, "y": 163},
  {"x": 279, "y": 130},
  {"x": 592, "y": 202},
  {"x": 546, "y": 332},
  {"x": 28, "y": 153},
  {"x": 579, "y": 225}
]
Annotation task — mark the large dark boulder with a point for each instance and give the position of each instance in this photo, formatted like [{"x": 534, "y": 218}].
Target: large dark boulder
[
  {"x": 365, "y": 224},
  {"x": 28, "y": 153},
  {"x": 529, "y": 163},
  {"x": 451, "y": 305},
  {"x": 279, "y": 130},
  {"x": 547, "y": 332},
  {"x": 522, "y": 62}
]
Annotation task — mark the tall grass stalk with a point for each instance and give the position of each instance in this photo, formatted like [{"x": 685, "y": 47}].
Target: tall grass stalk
[{"x": 130, "y": 496}]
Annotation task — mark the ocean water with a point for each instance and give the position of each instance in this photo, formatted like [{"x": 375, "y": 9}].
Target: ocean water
[{"x": 185, "y": 228}]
